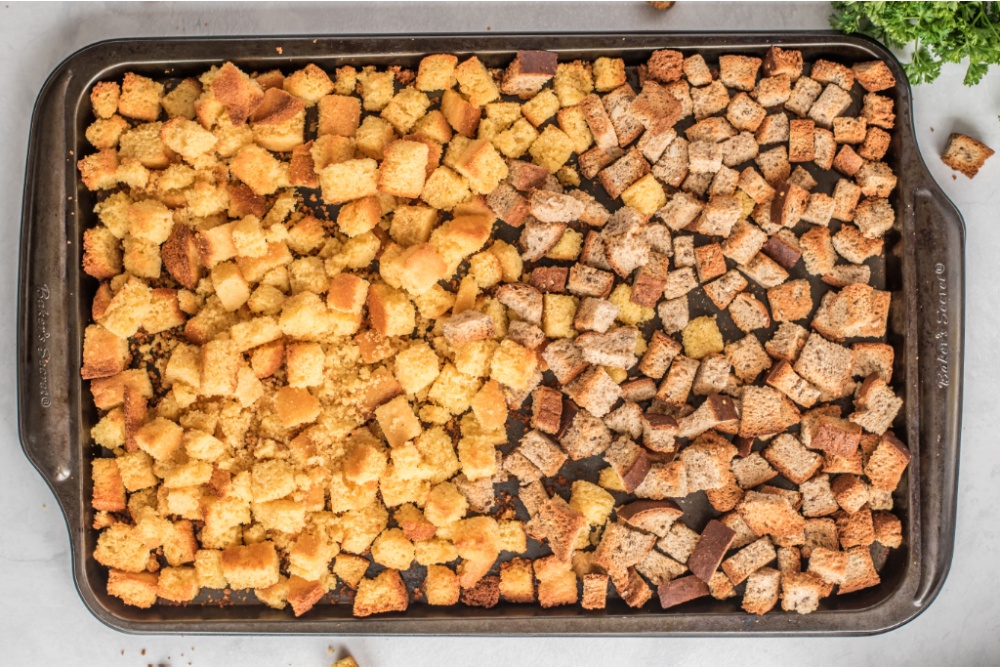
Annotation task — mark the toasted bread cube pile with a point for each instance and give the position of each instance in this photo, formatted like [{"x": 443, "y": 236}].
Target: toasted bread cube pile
[{"x": 309, "y": 340}]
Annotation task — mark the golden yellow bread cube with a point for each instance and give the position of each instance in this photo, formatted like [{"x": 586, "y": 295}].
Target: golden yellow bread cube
[{"x": 397, "y": 421}]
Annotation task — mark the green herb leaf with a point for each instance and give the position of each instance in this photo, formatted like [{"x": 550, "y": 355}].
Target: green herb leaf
[{"x": 942, "y": 32}]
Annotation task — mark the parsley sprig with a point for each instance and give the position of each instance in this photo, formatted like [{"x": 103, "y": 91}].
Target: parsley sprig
[{"x": 941, "y": 32}]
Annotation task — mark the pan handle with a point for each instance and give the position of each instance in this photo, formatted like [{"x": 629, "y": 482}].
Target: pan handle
[
  {"x": 47, "y": 368},
  {"x": 939, "y": 263}
]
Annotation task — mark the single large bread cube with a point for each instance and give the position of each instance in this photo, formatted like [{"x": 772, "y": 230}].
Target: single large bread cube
[
  {"x": 397, "y": 421},
  {"x": 404, "y": 169},
  {"x": 391, "y": 313},
  {"x": 349, "y": 180},
  {"x": 251, "y": 566}
]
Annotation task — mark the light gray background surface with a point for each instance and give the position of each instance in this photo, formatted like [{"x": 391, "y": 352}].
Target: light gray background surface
[{"x": 42, "y": 621}]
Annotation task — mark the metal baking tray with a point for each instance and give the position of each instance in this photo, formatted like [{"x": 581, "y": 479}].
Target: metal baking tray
[{"x": 924, "y": 269}]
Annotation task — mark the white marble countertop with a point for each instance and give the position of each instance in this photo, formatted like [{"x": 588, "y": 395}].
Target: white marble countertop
[{"x": 42, "y": 621}]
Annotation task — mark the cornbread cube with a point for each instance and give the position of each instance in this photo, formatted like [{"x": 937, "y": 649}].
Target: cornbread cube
[
  {"x": 251, "y": 566},
  {"x": 517, "y": 581},
  {"x": 702, "y": 337},
  {"x": 489, "y": 405},
  {"x": 339, "y": 115},
  {"x": 629, "y": 312},
  {"x": 246, "y": 235},
  {"x": 104, "y": 98},
  {"x": 208, "y": 569},
  {"x": 372, "y": 137},
  {"x": 127, "y": 309},
  {"x": 259, "y": 169},
  {"x": 140, "y": 97},
  {"x": 397, "y": 421},
  {"x": 391, "y": 549},
  {"x": 445, "y": 504},
  {"x": 475, "y": 82},
  {"x": 416, "y": 367},
  {"x": 403, "y": 171},
  {"x": 150, "y": 220},
  {"x": 477, "y": 457},
  {"x": 405, "y": 109},
  {"x": 364, "y": 461},
  {"x": 480, "y": 163},
  {"x": 309, "y": 84},
  {"x": 513, "y": 365},
  {"x": 609, "y": 73},
  {"x": 453, "y": 390},
  {"x": 517, "y": 139},
  {"x": 441, "y": 586},
  {"x": 511, "y": 264},
  {"x": 99, "y": 171},
  {"x": 444, "y": 189},
  {"x": 230, "y": 286},
  {"x": 412, "y": 224},
  {"x": 646, "y": 195},
  {"x": 135, "y": 468},
  {"x": 436, "y": 72},
  {"x": 304, "y": 364},
  {"x": 593, "y": 502},
  {"x": 541, "y": 107},
  {"x": 391, "y": 313},
  {"x": 177, "y": 584},
  {"x": 104, "y": 353},
  {"x": 473, "y": 358},
  {"x": 304, "y": 316},
  {"x": 552, "y": 149},
  {"x": 122, "y": 547},
  {"x": 296, "y": 407},
  {"x": 138, "y": 589},
  {"x": 349, "y": 180},
  {"x": 558, "y": 313},
  {"x": 385, "y": 593},
  {"x": 572, "y": 121},
  {"x": 556, "y": 586},
  {"x": 573, "y": 81},
  {"x": 350, "y": 569},
  {"x": 461, "y": 115},
  {"x": 376, "y": 88},
  {"x": 200, "y": 445},
  {"x": 108, "y": 488},
  {"x": 159, "y": 438}
]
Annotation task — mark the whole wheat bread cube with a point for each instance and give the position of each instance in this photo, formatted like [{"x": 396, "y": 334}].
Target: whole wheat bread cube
[
  {"x": 739, "y": 72},
  {"x": 792, "y": 459},
  {"x": 770, "y": 514},
  {"x": 626, "y": 419},
  {"x": 748, "y": 358},
  {"x": 753, "y": 470},
  {"x": 766, "y": 411},
  {"x": 584, "y": 435},
  {"x": 749, "y": 559},
  {"x": 595, "y": 391},
  {"x": 528, "y": 73},
  {"x": 818, "y": 501},
  {"x": 965, "y": 154},
  {"x": 762, "y": 591},
  {"x": 595, "y": 315},
  {"x": 622, "y": 547},
  {"x": 825, "y": 364},
  {"x": 887, "y": 463},
  {"x": 630, "y": 462}
]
